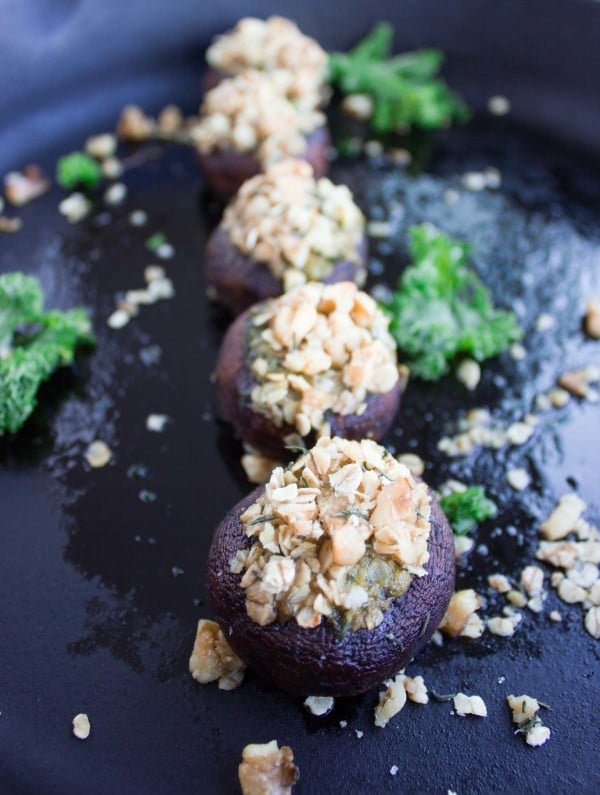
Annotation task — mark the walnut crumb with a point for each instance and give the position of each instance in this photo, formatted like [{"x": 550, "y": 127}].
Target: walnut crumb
[
  {"x": 461, "y": 618},
  {"x": 319, "y": 705},
  {"x": 391, "y": 701},
  {"x": 525, "y": 714},
  {"x": 22, "y": 187},
  {"x": 266, "y": 769},
  {"x": 469, "y": 705},
  {"x": 98, "y": 454},
  {"x": 213, "y": 659},
  {"x": 81, "y": 726},
  {"x": 591, "y": 320}
]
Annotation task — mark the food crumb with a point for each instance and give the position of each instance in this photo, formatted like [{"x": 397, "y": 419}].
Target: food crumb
[
  {"x": 157, "y": 422},
  {"x": 517, "y": 351},
  {"x": 101, "y": 146},
  {"x": 343, "y": 724},
  {"x": 554, "y": 615},
  {"x": 81, "y": 726},
  {"x": 592, "y": 621},
  {"x": 98, "y": 454},
  {"x": 525, "y": 714},
  {"x": 499, "y": 582},
  {"x": 391, "y": 701},
  {"x": 591, "y": 320},
  {"x": 394, "y": 770},
  {"x": 518, "y": 479},
  {"x": 115, "y": 194},
  {"x": 468, "y": 373},
  {"x": 469, "y": 705},
  {"x": 267, "y": 769},
  {"x": 358, "y": 733},
  {"x": 319, "y": 705},
  {"x": 545, "y": 322},
  {"x": 138, "y": 218},
  {"x": 498, "y": 105},
  {"x": 504, "y": 626},
  {"x": 118, "y": 319},
  {"x": 213, "y": 659},
  {"x": 22, "y": 187},
  {"x": 75, "y": 207}
]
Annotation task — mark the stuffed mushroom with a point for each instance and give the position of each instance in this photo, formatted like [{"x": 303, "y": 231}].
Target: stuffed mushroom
[
  {"x": 250, "y": 121},
  {"x": 284, "y": 228},
  {"x": 329, "y": 579},
  {"x": 318, "y": 359},
  {"x": 268, "y": 45}
]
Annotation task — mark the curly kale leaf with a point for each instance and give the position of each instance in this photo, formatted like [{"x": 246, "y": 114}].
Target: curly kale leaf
[
  {"x": 406, "y": 90},
  {"x": 441, "y": 309},
  {"x": 33, "y": 344},
  {"x": 466, "y": 509}
]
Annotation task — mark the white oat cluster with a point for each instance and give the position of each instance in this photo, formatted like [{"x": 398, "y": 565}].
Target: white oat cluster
[
  {"x": 268, "y": 45},
  {"x": 253, "y": 112},
  {"x": 318, "y": 349},
  {"x": 338, "y": 534},
  {"x": 297, "y": 225}
]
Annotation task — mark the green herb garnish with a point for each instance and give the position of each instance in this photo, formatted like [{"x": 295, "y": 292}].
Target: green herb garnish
[
  {"x": 442, "y": 309},
  {"x": 466, "y": 509},
  {"x": 78, "y": 170},
  {"x": 154, "y": 242},
  {"x": 33, "y": 344},
  {"x": 405, "y": 89}
]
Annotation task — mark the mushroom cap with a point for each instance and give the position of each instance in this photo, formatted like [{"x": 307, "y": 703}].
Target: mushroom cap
[{"x": 318, "y": 661}]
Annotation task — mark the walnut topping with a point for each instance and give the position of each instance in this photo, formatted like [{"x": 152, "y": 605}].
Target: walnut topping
[
  {"x": 319, "y": 349},
  {"x": 295, "y": 224},
  {"x": 267, "y": 769},
  {"x": 212, "y": 658},
  {"x": 563, "y": 518},
  {"x": 338, "y": 534},
  {"x": 267, "y": 45},
  {"x": 253, "y": 112}
]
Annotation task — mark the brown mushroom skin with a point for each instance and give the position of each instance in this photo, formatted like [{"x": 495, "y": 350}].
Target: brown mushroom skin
[
  {"x": 317, "y": 661},
  {"x": 237, "y": 281},
  {"x": 224, "y": 172},
  {"x": 235, "y": 381}
]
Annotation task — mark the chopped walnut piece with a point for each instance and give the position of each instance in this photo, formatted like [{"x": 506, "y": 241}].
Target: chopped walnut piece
[
  {"x": 578, "y": 382},
  {"x": 319, "y": 705},
  {"x": 563, "y": 518},
  {"x": 469, "y": 705},
  {"x": 461, "y": 617},
  {"x": 212, "y": 658},
  {"x": 101, "y": 146},
  {"x": 81, "y": 726},
  {"x": 170, "y": 120},
  {"x": 391, "y": 701},
  {"x": 416, "y": 689},
  {"x": 297, "y": 225},
  {"x": 257, "y": 467},
  {"x": 22, "y": 187},
  {"x": 591, "y": 320},
  {"x": 499, "y": 582},
  {"x": 134, "y": 125},
  {"x": 532, "y": 580},
  {"x": 592, "y": 621},
  {"x": 504, "y": 626},
  {"x": 266, "y": 769},
  {"x": 525, "y": 714}
]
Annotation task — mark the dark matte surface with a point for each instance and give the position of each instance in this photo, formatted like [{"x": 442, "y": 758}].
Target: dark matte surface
[{"x": 95, "y": 616}]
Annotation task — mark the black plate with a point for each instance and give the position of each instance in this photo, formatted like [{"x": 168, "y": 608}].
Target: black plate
[{"x": 100, "y": 592}]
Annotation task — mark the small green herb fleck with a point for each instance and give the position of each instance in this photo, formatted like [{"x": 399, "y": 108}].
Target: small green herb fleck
[
  {"x": 441, "y": 309},
  {"x": 466, "y": 509},
  {"x": 406, "y": 90},
  {"x": 262, "y": 519},
  {"x": 78, "y": 170},
  {"x": 155, "y": 241}
]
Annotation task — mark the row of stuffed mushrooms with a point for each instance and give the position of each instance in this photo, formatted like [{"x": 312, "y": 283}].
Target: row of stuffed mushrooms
[{"x": 330, "y": 577}]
